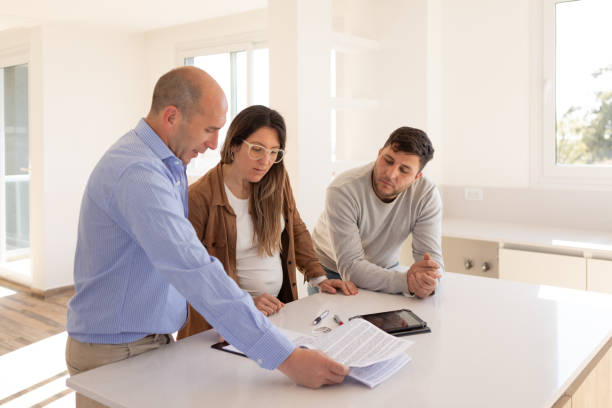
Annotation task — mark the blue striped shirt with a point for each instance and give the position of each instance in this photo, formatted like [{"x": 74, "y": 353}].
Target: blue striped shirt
[{"x": 138, "y": 258}]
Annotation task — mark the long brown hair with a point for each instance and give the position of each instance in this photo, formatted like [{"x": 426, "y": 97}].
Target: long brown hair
[{"x": 267, "y": 196}]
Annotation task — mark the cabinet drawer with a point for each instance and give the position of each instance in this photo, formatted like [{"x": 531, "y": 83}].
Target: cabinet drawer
[
  {"x": 542, "y": 268},
  {"x": 599, "y": 275}
]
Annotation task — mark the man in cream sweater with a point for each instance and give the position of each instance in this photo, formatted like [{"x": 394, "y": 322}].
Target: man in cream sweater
[{"x": 371, "y": 210}]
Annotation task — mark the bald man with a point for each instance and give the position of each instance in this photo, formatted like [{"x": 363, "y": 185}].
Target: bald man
[{"x": 138, "y": 260}]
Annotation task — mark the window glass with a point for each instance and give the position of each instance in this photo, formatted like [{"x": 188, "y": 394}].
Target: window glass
[
  {"x": 583, "y": 83},
  {"x": 14, "y": 136}
]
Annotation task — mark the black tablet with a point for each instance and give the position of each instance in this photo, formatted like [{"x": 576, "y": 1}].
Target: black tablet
[{"x": 400, "y": 322}]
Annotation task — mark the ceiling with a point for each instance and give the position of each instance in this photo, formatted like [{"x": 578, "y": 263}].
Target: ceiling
[{"x": 128, "y": 15}]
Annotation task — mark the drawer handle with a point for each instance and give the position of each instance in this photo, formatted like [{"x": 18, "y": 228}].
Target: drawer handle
[{"x": 468, "y": 263}]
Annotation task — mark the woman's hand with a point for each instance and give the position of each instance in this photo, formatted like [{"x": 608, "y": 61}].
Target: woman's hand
[
  {"x": 331, "y": 285},
  {"x": 267, "y": 304}
]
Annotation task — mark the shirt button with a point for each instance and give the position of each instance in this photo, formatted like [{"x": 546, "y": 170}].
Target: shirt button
[{"x": 259, "y": 361}]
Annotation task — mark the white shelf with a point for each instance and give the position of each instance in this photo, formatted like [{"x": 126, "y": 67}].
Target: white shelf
[{"x": 352, "y": 44}]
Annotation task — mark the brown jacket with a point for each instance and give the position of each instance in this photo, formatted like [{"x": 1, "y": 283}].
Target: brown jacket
[{"x": 215, "y": 223}]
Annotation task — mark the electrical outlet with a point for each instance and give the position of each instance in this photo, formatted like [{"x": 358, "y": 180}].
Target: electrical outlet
[{"x": 473, "y": 194}]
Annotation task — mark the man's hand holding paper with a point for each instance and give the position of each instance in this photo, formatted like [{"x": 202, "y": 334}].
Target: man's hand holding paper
[{"x": 312, "y": 368}]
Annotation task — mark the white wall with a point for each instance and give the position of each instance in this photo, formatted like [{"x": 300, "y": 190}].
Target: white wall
[
  {"x": 485, "y": 92},
  {"x": 401, "y": 66},
  {"x": 395, "y": 75},
  {"x": 86, "y": 91},
  {"x": 299, "y": 33}
]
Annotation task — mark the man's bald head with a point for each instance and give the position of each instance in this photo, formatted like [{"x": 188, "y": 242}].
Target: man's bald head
[
  {"x": 186, "y": 88},
  {"x": 188, "y": 110}
]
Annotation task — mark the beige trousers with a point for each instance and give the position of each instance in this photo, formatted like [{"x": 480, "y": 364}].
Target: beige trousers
[{"x": 86, "y": 356}]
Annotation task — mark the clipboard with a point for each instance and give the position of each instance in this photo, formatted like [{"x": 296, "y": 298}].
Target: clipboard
[{"x": 401, "y": 322}]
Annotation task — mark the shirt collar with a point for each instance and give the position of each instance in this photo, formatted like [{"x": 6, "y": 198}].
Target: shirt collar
[{"x": 152, "y": 139}]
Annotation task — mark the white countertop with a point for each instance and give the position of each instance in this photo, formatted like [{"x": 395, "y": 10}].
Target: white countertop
[
  {"x": 592, "y": 243},
  {"x": 494, "y": 343}
]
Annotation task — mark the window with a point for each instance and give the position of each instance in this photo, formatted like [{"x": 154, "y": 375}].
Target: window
[
  {"x": 583, "y": 97},
  {"x": 243, "y": 73},
  {"x": 576, "y": 140},
  {"x": 14, "y": 164}
]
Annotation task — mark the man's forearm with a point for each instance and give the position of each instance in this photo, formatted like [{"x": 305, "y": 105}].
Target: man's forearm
[{"x": 369, "y": 276}]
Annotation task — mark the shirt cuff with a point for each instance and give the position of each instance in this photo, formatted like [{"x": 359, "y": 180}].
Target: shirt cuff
[
  {"x": 401, "y": 283},
  {"x": 405, "y": 290},
  {"x": 271, "y": 350},
  {"x": 317, "y": 280}
]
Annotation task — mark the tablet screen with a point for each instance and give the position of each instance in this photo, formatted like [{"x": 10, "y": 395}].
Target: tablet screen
[{"x": 394, "y": 321}]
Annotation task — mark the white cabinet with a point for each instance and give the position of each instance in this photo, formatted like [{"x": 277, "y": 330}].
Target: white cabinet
[
  {"x": 469, "y": 256},
  {"x": 599, "y": 275},
  {"x": 542, "y": 268},
  {"x": 529, "y": 253}
]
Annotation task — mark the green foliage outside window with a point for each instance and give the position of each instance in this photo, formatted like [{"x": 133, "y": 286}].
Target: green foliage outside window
[{"x": 584, "y": 136}]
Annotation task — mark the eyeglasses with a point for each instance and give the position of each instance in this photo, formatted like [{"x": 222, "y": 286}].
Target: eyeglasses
[{"x": 257, "y": 152}]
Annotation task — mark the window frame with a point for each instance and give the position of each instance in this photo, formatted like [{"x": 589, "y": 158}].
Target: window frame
[
  {"x": 11, "y": 56},
  {"x": 545, "y": 171}
]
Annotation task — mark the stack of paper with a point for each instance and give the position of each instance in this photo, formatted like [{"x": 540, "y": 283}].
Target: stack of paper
[{"x": 372, "y": 354}]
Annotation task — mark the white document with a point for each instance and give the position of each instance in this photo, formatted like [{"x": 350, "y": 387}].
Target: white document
[
  {"x": 357, "y": 343},
  {"x": 379, "y": 372},
  {"x": 372, "y": 354}
]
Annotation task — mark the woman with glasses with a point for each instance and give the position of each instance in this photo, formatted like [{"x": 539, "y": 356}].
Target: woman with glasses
[{"x": 244, "y": 212}]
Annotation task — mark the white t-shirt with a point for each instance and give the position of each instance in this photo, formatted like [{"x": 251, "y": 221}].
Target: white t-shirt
[{"x": 256, "y": 275}]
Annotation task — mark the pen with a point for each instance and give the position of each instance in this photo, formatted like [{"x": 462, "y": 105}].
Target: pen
[
  {"x": 320, "y": 317},
  {"x": 338, "y": 320}
]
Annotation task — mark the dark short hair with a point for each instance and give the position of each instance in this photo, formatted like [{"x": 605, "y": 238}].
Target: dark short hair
[
  {"x": 412, "y": 141},
  {"x": 179, "y": 87}
]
